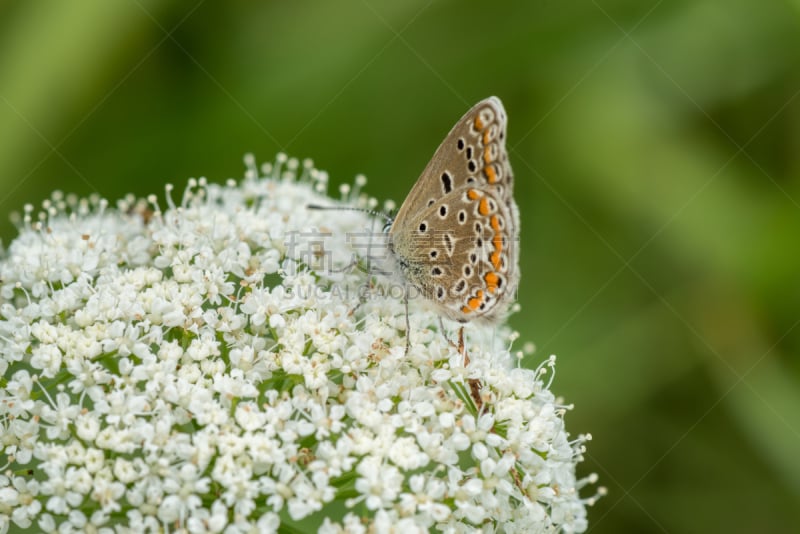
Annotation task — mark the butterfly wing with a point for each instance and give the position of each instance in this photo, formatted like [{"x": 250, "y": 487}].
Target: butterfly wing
[
  {"x": 462, "y": 254},
  {"x": 473, "y": 153},
  {"x": 455, "y": 234}
]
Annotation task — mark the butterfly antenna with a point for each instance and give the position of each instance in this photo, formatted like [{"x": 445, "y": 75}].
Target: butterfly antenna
[{"x": 373, "y": 213}]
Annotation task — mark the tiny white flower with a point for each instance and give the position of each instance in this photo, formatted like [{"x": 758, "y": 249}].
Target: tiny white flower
[
  {"x": 93, "y": 460},
  {"x": 87, "y": 426}
]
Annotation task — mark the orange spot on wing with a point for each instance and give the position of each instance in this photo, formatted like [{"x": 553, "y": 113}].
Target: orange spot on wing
[
  {"x": 495, "y": 259},
  {"x": 475, "y": 301},
  {"x": 490, "y": 173},
  {"x": 486, "y": 138},
  {"x": 473, "y": 194},
  {"x": 495, "y": 223},
  {"x": 491, "y": 280},
  {"x": 497, "y": 241},
  {"x": 478, "y": 123},
  {"x": 487, "y": 155},
  {"x": 483, "y": 207},
  {"x": 466, "y": 309}
]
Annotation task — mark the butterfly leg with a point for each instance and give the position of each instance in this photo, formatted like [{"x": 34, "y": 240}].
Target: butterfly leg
[
  {"x": 362, "y": 296},
  {"x": 408, "y": 322},
  {"x": 444, "y": 335},
  {"x": 474, "y": 383},
  {"x": 462, "y": 347}
]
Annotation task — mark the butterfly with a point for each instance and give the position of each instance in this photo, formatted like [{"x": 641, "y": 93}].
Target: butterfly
[{"x": 454, "y": 238}]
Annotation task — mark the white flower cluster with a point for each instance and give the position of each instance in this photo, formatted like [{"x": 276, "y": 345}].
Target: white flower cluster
[{"x": 208, "y": 367}]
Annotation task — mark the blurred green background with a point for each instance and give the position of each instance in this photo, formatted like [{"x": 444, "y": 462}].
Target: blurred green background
[{"x": 655, "y": 145}]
